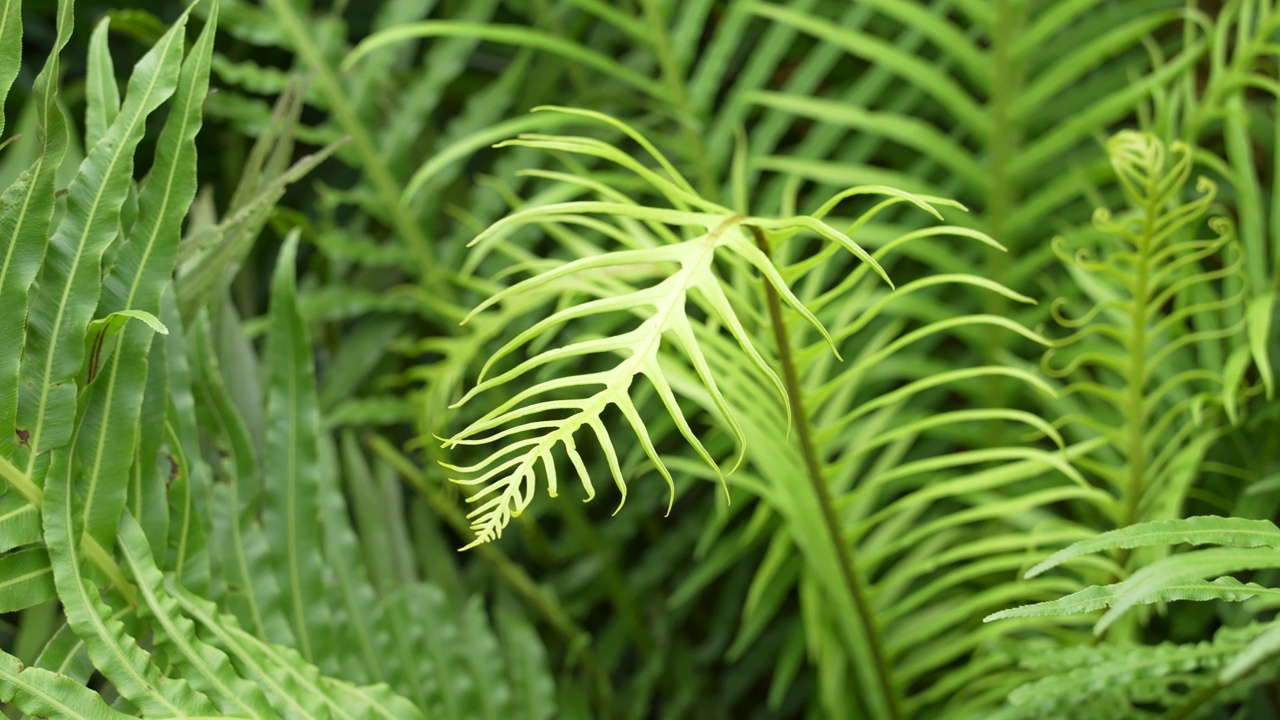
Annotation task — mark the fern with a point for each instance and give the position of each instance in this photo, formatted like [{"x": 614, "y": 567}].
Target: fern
[
  {"x": 1149, "y": 366},
  {"x": 1127, "y": 680},
  {"x": 111, "y": 513},
  {"x": 685, "y": 272},
  {"x": 1176, "y": 675},
  {"x": 1159, "y": 389},
  {"x": 223, "y": 378},
  {"x": 508, "y": 476}
]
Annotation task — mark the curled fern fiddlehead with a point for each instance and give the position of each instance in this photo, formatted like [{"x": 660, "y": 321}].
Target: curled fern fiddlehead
[
  {"x": 1161, "y": 295},
  {"x": 1150, "y": 370}
]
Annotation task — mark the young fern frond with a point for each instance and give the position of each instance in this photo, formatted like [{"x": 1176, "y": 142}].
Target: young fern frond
[
  {"x": 1141, "y": 359},
  {"x": 662, "y": 279},
  {"x": 1147, "y": 361}
]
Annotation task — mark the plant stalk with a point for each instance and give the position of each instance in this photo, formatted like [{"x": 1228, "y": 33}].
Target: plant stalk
[
  {"x": 1135, "y": 377},
  {"x": 96, "y": 554},
  {"x": 384, "y": 183},
  {"x": 813, "y": 468},
  {"x": 679, "y": 97}
]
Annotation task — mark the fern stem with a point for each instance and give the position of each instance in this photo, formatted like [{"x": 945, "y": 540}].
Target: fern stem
[
  {"x": 813, "y": 467},
  {"x": 1135, "y": 380},
  {"x": 679, "y": 98},
  {"x": 384, "y": 183},
  {"x": 1001, "y": 191}
]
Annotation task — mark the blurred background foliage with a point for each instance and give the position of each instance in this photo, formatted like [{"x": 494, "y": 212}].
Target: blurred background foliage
[{"x": 720, "y": 610}]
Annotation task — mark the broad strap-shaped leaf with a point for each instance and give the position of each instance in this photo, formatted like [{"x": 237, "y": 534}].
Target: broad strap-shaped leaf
[
  {"x": 142, "y": 269},
  {"x": 153, "y": 467},
  {"x": 115, "y": 652},
  {"x": 188, "y": 479},
  {"x": 237, "y": 540},
  {"x": 19, "y": 521},
  {"x": 379, "y": 558},
  {"x": 65, "y": 653},
  {"x": 40, "y": 693},
  {"x": 70, "y": 279},
  {"x": 26, "y": 212},
  {"x": 25, "y": 579},
  {"x": 1260, "y": 314},
  {"x": 102, "y": 96},
  {"x": 10, "y": 48},
  {"x": 208, "y": 668},
  {"x": 295, "y": 687},
  {"x": 67, "y": 295},
  {"x": 291, "y": 506},
  {"x": 362, "y": 632}
]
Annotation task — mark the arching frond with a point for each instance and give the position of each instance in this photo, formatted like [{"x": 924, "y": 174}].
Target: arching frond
[{"x": 659, "y": 280}]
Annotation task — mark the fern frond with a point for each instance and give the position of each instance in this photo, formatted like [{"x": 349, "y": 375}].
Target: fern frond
[
  {"x": 898, "y": 514},
  {"x": 210, "y": 669},
  {"x": 524, "y": 438},
  {"x": 26, "y": 579},
  {"x": 71, "y": 275},
  {"x": 26, "y": 213},
  {"x": 1118, "y": 679},
  {"x": 1111, "y": 682},
  {"x": 1201, "y": 530},
  {"x": 1245, "y": 545},
  {"x": 1157, "y": 298},
  {"x": 42, "y": 693},
  {"x": 1096, "y": 597},
  {"x": 291, "y": 514}
]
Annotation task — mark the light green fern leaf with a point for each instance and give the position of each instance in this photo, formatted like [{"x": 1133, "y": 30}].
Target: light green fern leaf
[
  {"x": 1160, "y": 294},
  {"x": 657, "y": 278},
  {"x": 44, "y": 694}
]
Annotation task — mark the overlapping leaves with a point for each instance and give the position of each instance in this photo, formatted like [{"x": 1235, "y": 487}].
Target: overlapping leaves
[
  {"x": 632, "y": 246},
  {"x": 1184, "y": 676},
  {"x": 1147, "y": 357},
  {"x": 106, "y": 495}
]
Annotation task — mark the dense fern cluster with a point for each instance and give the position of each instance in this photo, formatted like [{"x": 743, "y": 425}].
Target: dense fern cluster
[
  {"x": 191, "y": 556},
  {"x": 920, "y": 352}
]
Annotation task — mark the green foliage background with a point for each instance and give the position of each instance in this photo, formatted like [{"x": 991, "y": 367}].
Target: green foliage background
[{"x": 916, "y": 357}]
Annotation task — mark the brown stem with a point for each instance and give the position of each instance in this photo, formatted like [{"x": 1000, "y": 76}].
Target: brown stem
[{"x": 813, "y": 466}]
